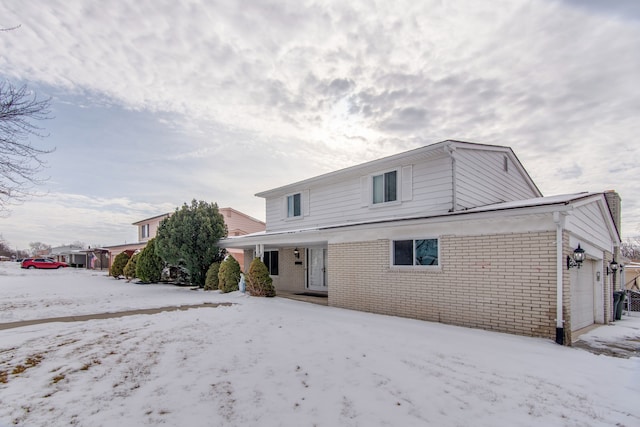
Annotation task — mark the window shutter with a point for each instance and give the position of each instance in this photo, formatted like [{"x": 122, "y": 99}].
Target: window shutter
[
  {"x": 283, "y": 208},
  {"x": 364, "y": 184},
  {"x": 407, "y": 183},
  {"x": 305, "y": 203}
]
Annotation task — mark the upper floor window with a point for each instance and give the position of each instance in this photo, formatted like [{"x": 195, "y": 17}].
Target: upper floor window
[
  {"x": 294, "y": 205},
  {"x": 144, "y": 230},
  {"x": 385, "y": 187},
  {"x": 416, "y": 252}
]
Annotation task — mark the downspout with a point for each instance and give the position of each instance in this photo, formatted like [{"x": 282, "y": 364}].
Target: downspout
[{"x": 559, "y": 220}]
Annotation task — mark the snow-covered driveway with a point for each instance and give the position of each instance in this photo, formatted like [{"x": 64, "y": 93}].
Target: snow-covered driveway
[{"x": 277, "y": 362}]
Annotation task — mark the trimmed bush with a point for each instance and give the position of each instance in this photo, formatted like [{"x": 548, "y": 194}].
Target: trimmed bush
[
  {"x": 229, "y": 275},
  {"x": 260, "y": 284},
  {"x": 119, "y": 262},
  {"x": 149, "y": 265},
  {"x": 211, "y": 282},
  {"x": 129, "y": 270}
]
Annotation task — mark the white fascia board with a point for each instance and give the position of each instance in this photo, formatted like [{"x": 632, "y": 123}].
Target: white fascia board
[
  {"x": 507, "y": 217},
  {"x": 471, "y": 226},
  {"x": 611, "y": 226},
  {"x": 601, "y": 201},
  {"x": 279, "y": 239},
  {"x": 507, "y": 221}
]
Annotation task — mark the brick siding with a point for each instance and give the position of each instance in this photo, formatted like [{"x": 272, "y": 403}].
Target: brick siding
[
  {"x": 500, "y": 282},
  {"x": 290, "y": 276}
]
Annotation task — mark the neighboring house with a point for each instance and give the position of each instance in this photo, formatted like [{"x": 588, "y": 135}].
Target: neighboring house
[
  {"x": 75, "y": 256},
  {"x": 453, "y": 232},
  {"x": 631, "y": 282},
  {"x": 147, "y": 230},
  {"x": 632, "y": 276},
  {"x": 237, "y": 224}
]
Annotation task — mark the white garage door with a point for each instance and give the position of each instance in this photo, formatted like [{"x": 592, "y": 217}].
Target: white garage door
[{"x": 583, "y": 295}]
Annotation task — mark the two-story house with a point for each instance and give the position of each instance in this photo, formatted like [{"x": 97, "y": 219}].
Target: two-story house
[
  {"x": 453, "y": 232},
  {"x": 146, "y": 230}
]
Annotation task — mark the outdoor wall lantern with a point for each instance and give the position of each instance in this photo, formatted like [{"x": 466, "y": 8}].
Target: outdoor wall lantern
[
  {"x": 296, "y": 253},
  {"x": 578, "y": 257},
  {"x": 613, "y": 267}
]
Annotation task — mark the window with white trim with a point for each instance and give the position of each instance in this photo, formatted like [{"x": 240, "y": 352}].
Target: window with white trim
[
  {"x": 144, "y": 230},
  {"x": 385, "y": 187},
  {"x": 294, "y": 205},
  {"x": 270, "y": 258},
  {"x": 417, "y": 252}
]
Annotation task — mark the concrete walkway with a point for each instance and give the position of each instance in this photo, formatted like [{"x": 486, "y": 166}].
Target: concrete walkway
[
  {"x": 319, "y": 298},
  {"x": 84, "y": 317}
]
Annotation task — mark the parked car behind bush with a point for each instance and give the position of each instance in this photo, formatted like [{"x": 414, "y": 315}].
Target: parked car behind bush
[{"x": 42, "y": 263}]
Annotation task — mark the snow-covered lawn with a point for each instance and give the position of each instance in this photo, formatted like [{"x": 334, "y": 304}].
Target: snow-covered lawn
[{"x": 277, "y": 362}]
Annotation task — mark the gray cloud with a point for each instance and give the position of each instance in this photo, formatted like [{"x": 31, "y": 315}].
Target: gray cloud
[{"x": 275, "y": 91}]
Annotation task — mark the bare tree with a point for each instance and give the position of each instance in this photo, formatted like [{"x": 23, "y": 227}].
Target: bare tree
[
  {"x": 20, "y": 161},
  {"x": 631, "y": 248},
  {"x": 5, "y": 250},
  {"x": 38, "y": 248}
]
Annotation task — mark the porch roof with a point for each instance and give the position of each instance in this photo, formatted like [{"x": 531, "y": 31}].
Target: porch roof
[{"x": 318, "y": 235}]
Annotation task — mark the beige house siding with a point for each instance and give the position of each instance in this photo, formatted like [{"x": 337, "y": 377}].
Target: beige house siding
[
  {"x": 239, "y": 224},
  {"x": 153, "y": 224},
  {"x": 498, "y": 282},
  {"x": 503, "y": 282},
  {"x": 290, "y": 276},
  {"x": 291, "y": 270}
]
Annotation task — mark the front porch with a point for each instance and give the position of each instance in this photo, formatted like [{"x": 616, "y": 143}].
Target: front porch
[
  {"x": 310, "y": 297},
  {"x": 297, "y": 272}
]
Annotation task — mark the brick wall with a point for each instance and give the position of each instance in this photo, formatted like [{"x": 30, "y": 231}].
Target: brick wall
[
  {"x": 290, "y": 276},
  {"x": 500, "y": 282}
]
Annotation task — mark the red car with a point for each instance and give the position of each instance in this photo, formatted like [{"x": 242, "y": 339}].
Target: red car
[{"x": 42, "y": 263}]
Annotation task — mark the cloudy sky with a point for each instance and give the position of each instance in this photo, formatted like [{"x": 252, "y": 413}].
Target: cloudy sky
[{"x": 158, "y": 102}]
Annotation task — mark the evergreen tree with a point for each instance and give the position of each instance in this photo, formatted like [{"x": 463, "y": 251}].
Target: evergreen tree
[
  {"x": 190, "y": 236},
  {"x": 260, "y": 283},
  {"x": 119, "y": 262},
  {"x": 129, "y": 270},
  {"x": 149, "y": 266},
  {"x": 229, "y": 275}
]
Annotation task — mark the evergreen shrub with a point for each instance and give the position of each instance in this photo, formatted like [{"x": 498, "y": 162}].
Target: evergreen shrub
[
  {"x": 129, "y": 270},
  {"x": 229, "y": 275},
  {"x": 260, "y": 284},
  {"x": 149, "y": 265},
  {"x": 119, "y": 262},
  {"x": 211, "y": 282}
]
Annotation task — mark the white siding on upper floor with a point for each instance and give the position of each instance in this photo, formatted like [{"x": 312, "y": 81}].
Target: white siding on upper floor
[
  {"x": 588, "y": 222},
  {"x": 343, "y": 202},
  {"x": 481, "y": 179}
]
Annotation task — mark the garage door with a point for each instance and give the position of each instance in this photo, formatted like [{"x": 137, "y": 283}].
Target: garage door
[{"x": 583, "y": 295}]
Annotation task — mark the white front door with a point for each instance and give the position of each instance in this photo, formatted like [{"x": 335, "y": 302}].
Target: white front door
[{"x": 316, "y": 269}]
